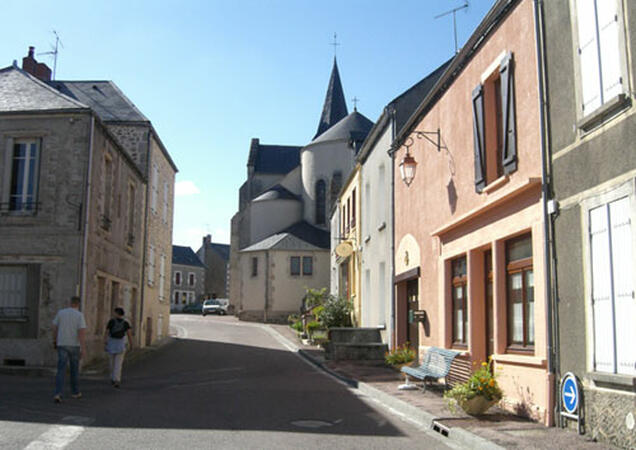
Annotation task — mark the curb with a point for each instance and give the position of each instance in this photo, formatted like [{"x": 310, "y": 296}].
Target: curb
[{"x": 420, "y": 416}]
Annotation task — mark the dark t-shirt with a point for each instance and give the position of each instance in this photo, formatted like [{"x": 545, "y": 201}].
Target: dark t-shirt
[{"x": 117, "y": 328}]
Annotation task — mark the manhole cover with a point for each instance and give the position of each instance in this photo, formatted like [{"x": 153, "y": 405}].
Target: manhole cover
[{"x": 310, "y": 423}]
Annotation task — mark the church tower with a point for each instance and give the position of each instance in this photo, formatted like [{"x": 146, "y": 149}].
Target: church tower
[{"x": 335, "y": 107}]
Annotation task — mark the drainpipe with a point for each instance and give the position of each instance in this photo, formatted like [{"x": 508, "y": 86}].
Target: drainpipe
[
  {"x": 546, "y": 184},
  {"x": 391, "y": 112},
  {"x": 145, "y": 243},
  {"x": 87, "y": 208},
  {"x": 266, "y": 286}
]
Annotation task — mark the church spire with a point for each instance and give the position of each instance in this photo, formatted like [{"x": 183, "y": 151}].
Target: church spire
[{"x": 335, "y": 107}]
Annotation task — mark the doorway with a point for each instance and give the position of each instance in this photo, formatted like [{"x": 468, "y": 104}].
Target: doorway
[
  {"x": 412, "y": 304},
  {"x": 489, "y": 316}
]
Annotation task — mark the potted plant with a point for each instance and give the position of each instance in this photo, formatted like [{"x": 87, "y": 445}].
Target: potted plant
[
  {"x": 476, "y": 395},
  {"x": 400, "y": 356}
]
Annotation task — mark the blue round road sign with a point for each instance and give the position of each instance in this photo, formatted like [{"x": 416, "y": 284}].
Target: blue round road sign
[{"x": 570, "y": 393}]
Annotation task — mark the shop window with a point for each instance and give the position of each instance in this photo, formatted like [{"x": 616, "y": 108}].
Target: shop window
[
  {"x": 520, "y": 293},
  {"x": 460, "y": 304}
]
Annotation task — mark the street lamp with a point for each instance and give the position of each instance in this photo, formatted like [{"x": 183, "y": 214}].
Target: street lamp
[{"x": 408, "y": 165}]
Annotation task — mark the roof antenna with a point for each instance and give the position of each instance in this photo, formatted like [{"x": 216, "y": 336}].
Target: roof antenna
[
  {"x": 453, "y": 11},
  {"x": 335, "y": 44},
  {"x": 54, "y": 51}
]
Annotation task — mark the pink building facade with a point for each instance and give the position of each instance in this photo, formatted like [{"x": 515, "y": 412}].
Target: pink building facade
[{"x": 469, "y": 229}]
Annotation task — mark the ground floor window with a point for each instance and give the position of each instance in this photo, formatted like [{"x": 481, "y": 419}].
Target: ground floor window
[
  {"x": 612, "y": 287},
  {"x": 520, "y": 292},
  {"x": 13, "y": 292},
  {"x": 460, "y": 304}
]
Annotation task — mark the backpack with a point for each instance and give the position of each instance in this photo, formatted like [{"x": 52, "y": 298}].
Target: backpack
[{"x": 118, "y": 329}]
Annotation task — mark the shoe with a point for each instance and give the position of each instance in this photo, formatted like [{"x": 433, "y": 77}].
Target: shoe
[
  {"x": 57, "y": 399},
  {"x": 78, "y": 395}
]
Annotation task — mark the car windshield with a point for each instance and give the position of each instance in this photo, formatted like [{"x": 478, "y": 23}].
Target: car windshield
[{"x": 211, "y": 302}]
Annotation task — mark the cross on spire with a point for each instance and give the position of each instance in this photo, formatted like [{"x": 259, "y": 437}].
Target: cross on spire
[
  {"x": 355, "y": 101},
  {"x": 335, "y": 43}
]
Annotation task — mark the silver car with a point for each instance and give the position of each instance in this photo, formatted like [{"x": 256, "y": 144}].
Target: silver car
[{"x": 214, "y": 306}]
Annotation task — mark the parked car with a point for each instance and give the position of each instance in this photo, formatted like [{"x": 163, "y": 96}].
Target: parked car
[
  {"x": 194, "y": 308},
  {"x": 214, "y": 306}
]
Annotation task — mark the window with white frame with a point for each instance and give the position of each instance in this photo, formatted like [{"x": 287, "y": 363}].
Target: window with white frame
[
  {"x": 177, "y": 278},
  {"x": 162, "y": 276},
  {"x": 191, "y": 279},
  {"x": 13, "y": 296},
  {"x": 612, "y": 286},
  {"x": 154, "y": 188},
  {"x": 601, "y": 51},
  {"x": 22, "y": 176},
  {"x": 166, "y": 196}
]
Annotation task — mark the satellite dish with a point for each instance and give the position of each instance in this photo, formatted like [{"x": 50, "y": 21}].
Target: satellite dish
[{"x": 344, "y": 249}]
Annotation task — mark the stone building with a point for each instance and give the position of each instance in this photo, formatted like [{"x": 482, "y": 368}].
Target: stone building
[
  {"x": 592, "y": 131},
  {"x": 136, "y": 135},
  {"x": 69, "y": 221},
  {"x": 289, "y": 192},
  {"x": 216, "y": 258},
  {"x": 188, "y": 278}
]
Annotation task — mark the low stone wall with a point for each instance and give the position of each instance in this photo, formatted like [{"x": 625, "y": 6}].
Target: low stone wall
[{"x": 607, "y": 417}]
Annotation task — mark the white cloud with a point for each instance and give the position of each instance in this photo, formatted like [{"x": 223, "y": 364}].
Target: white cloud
[{"x": 185, "y": 188}]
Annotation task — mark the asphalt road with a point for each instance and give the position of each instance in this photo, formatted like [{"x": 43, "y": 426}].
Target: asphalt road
[{"x": 219, "y": 384}]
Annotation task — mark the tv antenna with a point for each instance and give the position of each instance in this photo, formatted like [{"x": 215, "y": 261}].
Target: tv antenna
[
  {"x": 453, "y": 11},
  {"x": 54, "y": 51}
]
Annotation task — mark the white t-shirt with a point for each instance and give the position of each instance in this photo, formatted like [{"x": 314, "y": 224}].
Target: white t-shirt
[{"x": 68, "y": 322}]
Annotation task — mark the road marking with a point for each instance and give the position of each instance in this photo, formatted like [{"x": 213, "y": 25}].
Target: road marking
[{"x": 60, "y": 436}]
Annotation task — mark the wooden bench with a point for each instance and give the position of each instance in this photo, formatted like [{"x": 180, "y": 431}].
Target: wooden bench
[{"x": 436, "y": 364}]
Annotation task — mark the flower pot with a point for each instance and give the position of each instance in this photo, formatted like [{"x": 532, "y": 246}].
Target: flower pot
[{"x": 477, "y": 405}]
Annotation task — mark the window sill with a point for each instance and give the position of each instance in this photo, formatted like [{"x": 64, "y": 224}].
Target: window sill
[
  {"x": 496, "y": 184},
  {"x": 526, "y": 360},
  {"x": 612, "y": 380},
  {"x": 604, "y": 112}
]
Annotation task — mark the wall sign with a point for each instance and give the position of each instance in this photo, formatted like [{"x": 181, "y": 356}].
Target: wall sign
[{"x": 570, "y": 404}]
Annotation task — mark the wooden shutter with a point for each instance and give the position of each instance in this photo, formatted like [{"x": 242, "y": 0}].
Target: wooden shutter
[
  {"x": 13, "y": 287},
  {"x": 509, "y": 148},
  {"x": 609, "y": 45},
  {"x": 601, "y": 291},
  {"x": 151, "y": 266},
  {"x": 478, "y": 133},
  {"x": 588, "y": 55},
  {"x": 623, "y": 287}
]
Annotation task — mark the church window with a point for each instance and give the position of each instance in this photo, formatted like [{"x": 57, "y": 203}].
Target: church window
[
  {"x": 321, "y": 192},
  {"x": 336, "y": 184}
]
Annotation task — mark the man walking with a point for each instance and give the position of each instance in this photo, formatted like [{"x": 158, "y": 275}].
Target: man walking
[{"x": 69, "y": 330}]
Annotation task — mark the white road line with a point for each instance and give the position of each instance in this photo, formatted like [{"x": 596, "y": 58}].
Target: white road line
[{"x": 58, "y": 436}]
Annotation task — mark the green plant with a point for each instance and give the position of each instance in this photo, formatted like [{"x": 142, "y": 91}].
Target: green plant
[
  {"x": 313, "y": 326},
  {"x": 315, "y": 297},
  {"x": 336, "y": 312},
  {"x": 482, "y": 382},
  {"x": 292, "y": 318},
  {"x": 298, "y": 326},
  {"x": 400, "y": 355}
]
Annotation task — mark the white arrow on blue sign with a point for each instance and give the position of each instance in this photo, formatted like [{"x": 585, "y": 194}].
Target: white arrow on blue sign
[{"x": 570, "y": 393}]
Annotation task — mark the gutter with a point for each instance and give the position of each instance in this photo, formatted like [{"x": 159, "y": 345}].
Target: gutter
[
  {"x": 392, "y": 209},
  {"x": 142, "y": 289},
  {"x": 546, "y": 196},
  {"x": 87, "y": 204}
]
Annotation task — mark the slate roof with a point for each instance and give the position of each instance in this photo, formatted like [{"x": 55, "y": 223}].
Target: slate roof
[
  {"x": 20, "y": 91},
  {"x": 279, "y": 159},
  {"x": 335, "y": 106},
  {"x": 108, "y": 102},
  {"x": 353, "y": 127},
  {"x": 185, "y": 256},
  {"x": 276, "y": 192},
  {"x": 300, "y": 236},
  {"x": 222, "y": 249}
]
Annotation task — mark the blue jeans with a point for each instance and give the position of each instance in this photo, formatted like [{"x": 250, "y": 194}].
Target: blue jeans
[{"x": 67, "y": 355}]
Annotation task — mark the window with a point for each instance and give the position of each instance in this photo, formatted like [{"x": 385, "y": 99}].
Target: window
[
  {"x": 176, "y": 297},
  {"x": 177, "y": 278},
  {"x": 166, "y": 203},
  {"x": 191, "y": 279},
  {"x": 366, "y": 209},
  {"x": 520, "y": 287},
  {"x": 601, "y": 52},
  {"x": 353, "y": 208},
  {"x": 336, "y": 185},
  {"x": 321, "y": 193},
  {"x": 380, "y": 198},
  {"x": 13, "y": 291},
  {"x": 154, "y": 189},
  {"x": 494, "y": 127},
  {"x": 23, "y": 177},
  {"x": 254, "y": 266},
  {"x": 348, "y": 222},
  {"x": 131, "y": 214},
  {"x": 613, "y": 304},
  {"x": 151, "y": 265},
  {"x": 294, "y": 265},
  {"x": 107, "y": 192},
  {"x": 308, "y": 265},
  {"x": 162, "y": 276},
  {"x": 460, "y": 305}
]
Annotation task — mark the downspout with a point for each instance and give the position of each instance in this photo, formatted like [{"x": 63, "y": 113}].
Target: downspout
[
  {"x": 87, "y": 208},
  {"x": 546, "y": 183},
  {"x": 266, "y": 286},
  {"x": 142, "y": 289},
  {"x": 391, "y": 112}
]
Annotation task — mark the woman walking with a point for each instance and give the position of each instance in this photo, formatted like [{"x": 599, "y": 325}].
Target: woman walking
[{"x": 117, "y": 330}]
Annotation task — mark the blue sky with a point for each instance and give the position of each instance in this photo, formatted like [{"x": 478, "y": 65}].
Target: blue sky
[{"x": 211, "y": 75}]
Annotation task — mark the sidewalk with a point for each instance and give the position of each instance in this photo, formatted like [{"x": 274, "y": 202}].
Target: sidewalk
[{"x": 496, "y": 429}]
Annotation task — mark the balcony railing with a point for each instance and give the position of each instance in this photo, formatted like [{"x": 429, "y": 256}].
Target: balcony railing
[{"x": 19, "y": 208}]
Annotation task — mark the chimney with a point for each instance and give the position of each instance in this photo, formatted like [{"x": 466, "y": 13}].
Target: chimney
[
  {"x": 38, "y": 70},
  {"x": 207, "y": 239}
]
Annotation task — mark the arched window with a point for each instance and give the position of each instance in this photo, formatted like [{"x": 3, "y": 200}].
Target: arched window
[
  {"x": 321, "y": 193},
  {"x": 336, "y": 185}
]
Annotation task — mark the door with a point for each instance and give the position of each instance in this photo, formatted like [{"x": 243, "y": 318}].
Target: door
[
  {"x": 148, "y": 331},
  {"x": 489, "y": 316},
  {"x": 412, "y": 304}
]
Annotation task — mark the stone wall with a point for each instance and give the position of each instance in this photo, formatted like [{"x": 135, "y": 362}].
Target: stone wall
[
  {"x": 134, "y": 139},
  {"x": 607, "y": 417}
]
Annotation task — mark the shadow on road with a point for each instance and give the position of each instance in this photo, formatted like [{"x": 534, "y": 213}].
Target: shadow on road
[{"x": 204, "y": 385}]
